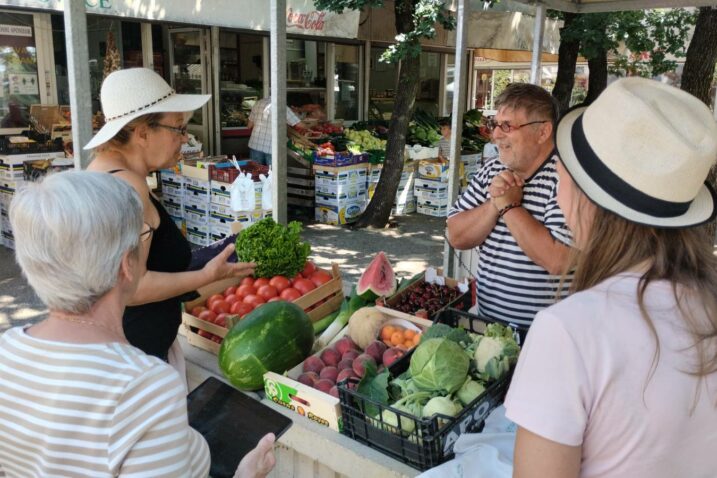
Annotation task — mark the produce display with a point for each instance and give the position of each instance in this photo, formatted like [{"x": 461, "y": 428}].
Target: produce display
[
  {"x": 449, "y": 370},
  {"x": 235, "y": 302},
  {"x": 274, "y": 337},
  {"x": 424, "y": 299},
  {"x": 276, "y": 249},
  {"x": 423, "y": 130},
  {"x": 369, "y": 343}
]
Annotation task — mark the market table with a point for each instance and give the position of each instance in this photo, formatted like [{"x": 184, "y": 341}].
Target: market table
[{"x": 306, "y": 449}]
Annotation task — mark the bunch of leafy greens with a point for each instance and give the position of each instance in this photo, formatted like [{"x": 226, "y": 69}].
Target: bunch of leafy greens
[{"x": 276, "y": 249}]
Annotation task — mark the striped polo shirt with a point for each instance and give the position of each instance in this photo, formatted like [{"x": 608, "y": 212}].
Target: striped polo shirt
[
  {"x": 510, "y": 285},
  {"x": 94, "y": 410}
]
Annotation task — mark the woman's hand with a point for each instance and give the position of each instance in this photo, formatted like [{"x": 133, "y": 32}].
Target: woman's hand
[
  {"x": 218, "y": 268},
  {"x": 260, "y": 461}
]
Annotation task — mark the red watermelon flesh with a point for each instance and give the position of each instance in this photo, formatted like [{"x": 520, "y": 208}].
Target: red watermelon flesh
[{"x": 378, "y": 280}]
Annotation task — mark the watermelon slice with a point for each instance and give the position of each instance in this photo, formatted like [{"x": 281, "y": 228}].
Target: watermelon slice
[{"x": 378, "y": 280}]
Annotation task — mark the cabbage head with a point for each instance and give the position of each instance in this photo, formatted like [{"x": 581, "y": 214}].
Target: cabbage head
[{"x": 439, "y": 365}]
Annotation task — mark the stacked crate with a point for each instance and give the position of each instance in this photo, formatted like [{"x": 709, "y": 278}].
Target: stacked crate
[
  {"x": 431, "y": 188},
  {"x": 340, "y": 193},
  {"x": 12, "y": 177},
  {"x": 173, "y": 196},
  {"x": 221, "y": 215},
  {"x": 405, "y": 201}
]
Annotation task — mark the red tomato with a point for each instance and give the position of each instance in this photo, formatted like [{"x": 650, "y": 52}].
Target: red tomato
[
  {"x": 247, "y": 281},
  {"x": 241, "y": 309},
  {"x": 207, "y": 315},
  {"x": 254, "y": 300},
  {"x": 295, "y": 278},
  {"x": 231, "y": 290},
  {"x": 304, "y": 286},
  {"x": 221, "y": 306},
  {"x": 205, "y": 334},
  {"x": 262, "y": 281},
  {"x": 320, "y": 278},
  {"x": 230, "y": 299},
  {"x": 280, "y": 282},
  {"x": 267, "y": 291},
  {"x": 213, "y": 299},
  {"x": 245, "y": 290},
  {"x": 217, "y": 339},
  {"x": 309, "y": 268},
  {"x": 196, "y": 310},
  {"x": 221, "y": 320},
  {"x": 290, "y": 294},
  {"x": 274, "y": 299}
]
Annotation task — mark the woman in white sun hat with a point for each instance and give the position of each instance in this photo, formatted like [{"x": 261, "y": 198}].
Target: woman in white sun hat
[
  {"x": 144, "y": 132},
  {"x": 618, "y": 380}
]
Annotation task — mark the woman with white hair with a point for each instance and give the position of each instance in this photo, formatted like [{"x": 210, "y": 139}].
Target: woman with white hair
[
  {"x": 77, "y": 399},
  {"x": 620, "y": 378},
  {"x": 146, "y": 125}
]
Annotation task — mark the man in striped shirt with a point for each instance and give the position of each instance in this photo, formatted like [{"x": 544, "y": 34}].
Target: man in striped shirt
[{"x": 510, "y": 211}]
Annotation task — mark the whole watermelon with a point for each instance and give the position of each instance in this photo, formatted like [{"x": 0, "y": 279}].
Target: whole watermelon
[{"x": 272, "y": 338}]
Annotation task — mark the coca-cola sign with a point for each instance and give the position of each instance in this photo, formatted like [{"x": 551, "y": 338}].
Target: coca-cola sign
[{"x": 313, "y": 21}]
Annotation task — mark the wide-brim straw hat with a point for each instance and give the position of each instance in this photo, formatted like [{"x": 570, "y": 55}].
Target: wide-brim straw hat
[
  {"x": 129, "y": 94},
  {"x": 643, "y": 150}
]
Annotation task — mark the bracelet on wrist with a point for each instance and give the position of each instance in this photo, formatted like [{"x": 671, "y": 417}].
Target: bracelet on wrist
[{"x": 507, "y": 208}]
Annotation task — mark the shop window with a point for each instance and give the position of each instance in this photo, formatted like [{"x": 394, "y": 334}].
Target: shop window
[
  {"x": 382, "y": 86},
  {"x": 158, "y": 57},
  {"x": 450, "y": 85},
  {"x": 306, "y": 77},
  {"x": 429, "y": 83},
  {"x": 102, "y": 33},
  {"x": 18, "y": 70},
  {"x": 346, "y": 86},
  {"x": 240, "y": 76}
]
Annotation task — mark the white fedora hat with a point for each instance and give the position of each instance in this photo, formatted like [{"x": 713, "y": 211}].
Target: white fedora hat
[
  {"x": 129, "y": 94},
  {"x": 643, "y": 150}
]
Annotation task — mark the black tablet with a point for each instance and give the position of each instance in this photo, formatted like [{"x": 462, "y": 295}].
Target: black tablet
[{"x": 231, "y": 422}]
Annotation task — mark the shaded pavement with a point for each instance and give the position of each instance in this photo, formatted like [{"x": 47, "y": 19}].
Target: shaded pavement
[{"x": 414, "y": 244}]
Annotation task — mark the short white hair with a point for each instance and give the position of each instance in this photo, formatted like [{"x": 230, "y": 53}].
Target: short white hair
[{"x": 71, "y": 231}]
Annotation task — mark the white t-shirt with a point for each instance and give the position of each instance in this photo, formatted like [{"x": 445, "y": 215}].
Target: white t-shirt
[{"x": 582, "y": 379}]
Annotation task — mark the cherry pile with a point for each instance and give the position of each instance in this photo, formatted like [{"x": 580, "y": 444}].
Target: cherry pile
[{"x": 428, "y": 297}]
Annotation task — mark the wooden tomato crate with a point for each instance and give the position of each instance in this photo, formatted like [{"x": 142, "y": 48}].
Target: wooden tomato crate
[{"x": 318, "y": 303}]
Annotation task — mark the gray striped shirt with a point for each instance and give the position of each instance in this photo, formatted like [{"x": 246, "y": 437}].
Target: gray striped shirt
[
  {"x": 95, "y": 410},
  {"x": 510, "y": 285}
]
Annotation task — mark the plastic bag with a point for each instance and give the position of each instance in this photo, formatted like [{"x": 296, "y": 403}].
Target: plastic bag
[
  {"x": 242, "y": 193},
  {"x": 266, "y": 190}
]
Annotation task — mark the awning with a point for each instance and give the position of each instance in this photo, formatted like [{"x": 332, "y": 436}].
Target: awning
[{"x": 302, "y": 17}]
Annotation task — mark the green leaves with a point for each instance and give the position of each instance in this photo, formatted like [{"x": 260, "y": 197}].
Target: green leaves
[
  {"x": 374, "y": 386},
  {"x": 276, "y": 249}
]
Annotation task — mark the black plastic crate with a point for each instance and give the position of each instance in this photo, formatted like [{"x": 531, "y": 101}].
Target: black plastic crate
[{"x": 431, "y": 441}]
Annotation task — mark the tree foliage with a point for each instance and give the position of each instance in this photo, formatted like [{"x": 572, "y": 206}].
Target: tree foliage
[{"x": 652, "y": 38}]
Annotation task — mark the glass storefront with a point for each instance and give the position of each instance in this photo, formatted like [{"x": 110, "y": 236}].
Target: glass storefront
[
  {"x": 240, "y": 76},
  {"x": 428, "y": 95},
  {"x": 347, "y": 77},
  {"x": 18, "y": 69},
  {"x": 306, "y": 77}
]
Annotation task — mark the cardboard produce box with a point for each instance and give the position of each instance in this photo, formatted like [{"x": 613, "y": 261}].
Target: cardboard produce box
[
  {"x": 318, "y": 303},
  {"x": 309, "y": 402}
]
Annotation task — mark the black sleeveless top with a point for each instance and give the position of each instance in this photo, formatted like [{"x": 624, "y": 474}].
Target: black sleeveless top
[{"x": 152, "y": 327}]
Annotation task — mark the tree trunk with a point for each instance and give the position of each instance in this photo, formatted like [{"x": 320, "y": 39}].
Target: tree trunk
[
  {"x": 701, "y": 56},
  {"x": 567, "y": 58},
  {"x": 378, "y": 210},
  {"x": 598, "y": 76},
  {"x": 698, "y": 73}
]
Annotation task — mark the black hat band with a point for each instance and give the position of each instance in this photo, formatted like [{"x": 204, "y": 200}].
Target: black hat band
[{"x": 616, "y": 186}]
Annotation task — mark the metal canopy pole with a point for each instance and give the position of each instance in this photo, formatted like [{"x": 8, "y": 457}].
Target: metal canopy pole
[
  {"x": 277, "y": 47},
  {"x": 538, "y": 31},
  {"x": 460, "y": 73},
  {"x": 78, "y": 79}
]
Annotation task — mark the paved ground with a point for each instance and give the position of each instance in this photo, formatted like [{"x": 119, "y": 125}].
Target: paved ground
[{"x": 414, "y": 244}]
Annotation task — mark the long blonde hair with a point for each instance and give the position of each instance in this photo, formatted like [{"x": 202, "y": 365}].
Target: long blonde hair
[{"x": 681, "y": 256}]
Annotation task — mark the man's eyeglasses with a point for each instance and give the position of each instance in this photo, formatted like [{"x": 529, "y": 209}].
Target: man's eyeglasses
[
  {"x": 147, "y": 233},
  {"x": 506, "y": 127},
  {"x": 180, "y": 131}
]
